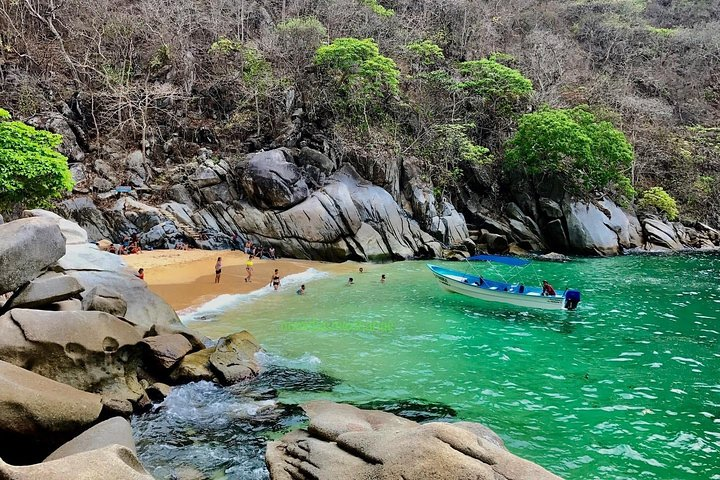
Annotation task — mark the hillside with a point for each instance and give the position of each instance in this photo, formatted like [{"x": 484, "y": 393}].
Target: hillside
[{"x": 223, "y": 78}]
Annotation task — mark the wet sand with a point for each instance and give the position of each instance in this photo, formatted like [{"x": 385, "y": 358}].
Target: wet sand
[{"x": 185, "y": 278}]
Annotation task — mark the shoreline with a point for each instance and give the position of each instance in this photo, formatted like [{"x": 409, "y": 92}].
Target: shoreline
[{"x": 185, "y": 278}]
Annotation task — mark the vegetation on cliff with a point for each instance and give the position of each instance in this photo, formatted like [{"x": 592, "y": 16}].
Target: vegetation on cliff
[
  {"x": 31, "y": 169},
  {"x": 400, "y": 76}
]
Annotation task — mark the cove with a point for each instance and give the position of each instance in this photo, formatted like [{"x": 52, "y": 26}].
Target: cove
[{"x": 626, "y": 387}]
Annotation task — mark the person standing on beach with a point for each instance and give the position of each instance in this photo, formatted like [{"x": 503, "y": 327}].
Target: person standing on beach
[
  {"x": 218, "y": 269},
  {"x": 275, "y": 280},
  {"x": 249, "y": 269}
]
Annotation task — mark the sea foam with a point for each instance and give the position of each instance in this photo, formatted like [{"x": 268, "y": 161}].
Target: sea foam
[{"x": 215, "y": 307}]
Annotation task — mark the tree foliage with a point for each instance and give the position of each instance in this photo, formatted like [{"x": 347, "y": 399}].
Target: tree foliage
[
  {"x": 31, "y": 170},
  {"x": 361, "y": 72},
  {"x": 658, "y": 198},
  {"x": 497, "y": 84},
  {"x": 587, "y": 154}
]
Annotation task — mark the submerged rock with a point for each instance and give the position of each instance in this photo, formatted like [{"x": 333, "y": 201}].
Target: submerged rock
[
  {"x": 345, "y": 442},
  {"x": 412, "y": 409}
]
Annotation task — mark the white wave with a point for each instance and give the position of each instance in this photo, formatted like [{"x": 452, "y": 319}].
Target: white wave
[
  {"x": 211, "y": 309},
  {"x": 305, "y": 362}
]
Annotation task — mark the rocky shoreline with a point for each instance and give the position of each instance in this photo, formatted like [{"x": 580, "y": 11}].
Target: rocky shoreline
[{"x": 84, "y": 345}]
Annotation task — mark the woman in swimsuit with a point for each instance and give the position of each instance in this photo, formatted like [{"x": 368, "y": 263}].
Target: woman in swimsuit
[
  {"x": 276, "y": 279},
  {"x": 249, "y": 269},
  {"x": 218, "y": 269}
]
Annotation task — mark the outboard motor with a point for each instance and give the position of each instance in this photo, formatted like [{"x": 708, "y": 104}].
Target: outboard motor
[{"x": 572, "y": 298}]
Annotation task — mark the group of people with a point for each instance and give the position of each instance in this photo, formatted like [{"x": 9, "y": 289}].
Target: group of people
[
  {"x": 129, "y": 245},
  {"x": 258, "y": 251},
  {"x": 351, "y": 280}
]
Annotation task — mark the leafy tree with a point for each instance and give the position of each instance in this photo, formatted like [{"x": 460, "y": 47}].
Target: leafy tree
[
  {"x": 426, "y": 52},
  {"x": 496, "y": 84},
  {"x": 31, "y": 170},
  {"x": 589, "y": 155},
  {"x": 657, "y": 197},
  {"x": 363, "y": 75},
  {"x": 378, "y": 9}
]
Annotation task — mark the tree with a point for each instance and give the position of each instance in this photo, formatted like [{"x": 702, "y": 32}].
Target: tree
[
  {"x": 31, "y": 170},
  {"x": 500, "y": 87},
  {"x": 658, "y": 198},
  {"x": 362, "y": 74},
  {"x": 587, "y": 154}
]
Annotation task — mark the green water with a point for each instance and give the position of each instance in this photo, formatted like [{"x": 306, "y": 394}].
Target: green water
[{"x": 627, "y": 387}]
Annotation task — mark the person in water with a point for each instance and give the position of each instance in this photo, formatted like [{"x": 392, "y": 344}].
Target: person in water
[
  {"x": 351, "y": 281},
  {"x": 382, "y": 278},
  {"x": 547, "y": 289},
  {"x": 361, "y": 270},
  {"x": 218, "y": 269},
  {"x": 249, "y": 268},
  {"x": 301, "y": 290},
  {"x": 141, "y": 274},
  {"x": 275, "y": 280}
]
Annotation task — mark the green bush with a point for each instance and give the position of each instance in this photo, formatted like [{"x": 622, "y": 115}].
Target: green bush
[
  {"x": 31, "y": 170},
  {"x": 426, "y": 51},
  {"x": 657, "y": 197},
  {"x": 379, "y": 9},
  {"x": 588, "y": 155}
]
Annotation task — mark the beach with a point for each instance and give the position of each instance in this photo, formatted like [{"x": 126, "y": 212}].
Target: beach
[{"x": 185, "y": 278}]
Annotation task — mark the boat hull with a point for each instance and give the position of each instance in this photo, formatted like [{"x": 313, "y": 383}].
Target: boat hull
[{"x": 458, "y": 282}]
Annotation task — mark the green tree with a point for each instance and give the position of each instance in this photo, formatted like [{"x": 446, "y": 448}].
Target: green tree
[
  {"x": 587, "y": 154},
  {"x": 498, "y": 85},
  {"x": 31, "y": 170},
  {"x": 657, "y": 197},
  {"x": 362, "y": 74}
]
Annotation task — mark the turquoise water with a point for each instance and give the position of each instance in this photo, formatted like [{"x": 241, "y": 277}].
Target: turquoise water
[{"x": 626, "y": 387}]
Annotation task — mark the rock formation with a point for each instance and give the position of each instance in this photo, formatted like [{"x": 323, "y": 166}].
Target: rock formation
[{"x": 345, "y": 442}]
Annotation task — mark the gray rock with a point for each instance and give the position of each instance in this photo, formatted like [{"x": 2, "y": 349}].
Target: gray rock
[
  {"x": 205, "y": 176},
  {"x": 114, "y": 431},
  {"x": 91, "y": 351},
  {"x": 166, "y": 350},
  {"x": 105, "y": 170},
  {"x": 550, "y": 208},
  {"x": 496, "y": 243},
  {"x": 39, "y": 414},
  {"x": 309, "y": 156},
  {"x": 270, "y": 181},
  {"x": 135, "y": 162},
  {"x": 27, "y": 247},
  {"x": 194, "y": 367},
  {"x": 234, "y": 357},
  {"x": 588, "y": 231},
  {"x": 113, "y": 462},
  {"x": 88, "y": 257},
  {"x": 73, "y": 233},
  {"x": 104, "y": 299},
  {"x": 661, "y": 234},
  {"x": 57, "y": 123},
  {"x": 83, "y": 211},
  {"x": 45, "y": 290},
  {"x": 553, "y": 257},
  {"x": 555, "y": 235},
  {"x": 102, "y": 185},
  {"x": 345, "y": 442}
]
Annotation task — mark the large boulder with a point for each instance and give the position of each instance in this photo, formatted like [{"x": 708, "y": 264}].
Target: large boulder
[
  {"x": 113, "y": 431},
  {"x": 661, "y": 234},
  {"x": 164, "y": 351},
  {"x": 39, "y": 414},
  {"x": 588, "y": 230},
  {"x": 113, "y": 462},
  {"x": 234, "y": 357},
  {"x": 49, "y": 288},
  {"x": 27, "y": 247},
  {"x": 345, "y": 442},
  {"x": 194, "y": 367},
  {"x": 92, "y": 267},
  {"x": 270, "y": 181},
  {"x": 73, "y": 233},
  {"x": 55, "y": 122},
  {"x": 319, "y": 160},
  {"x": 103, "y": 299},
  {"x": 91, "y": 351}
]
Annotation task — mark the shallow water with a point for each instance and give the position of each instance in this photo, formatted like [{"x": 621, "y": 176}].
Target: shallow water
[{"x": 626, "y": 387}]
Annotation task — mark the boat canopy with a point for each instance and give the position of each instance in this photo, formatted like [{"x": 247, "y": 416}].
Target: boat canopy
[{"x": 515, "y": 262}]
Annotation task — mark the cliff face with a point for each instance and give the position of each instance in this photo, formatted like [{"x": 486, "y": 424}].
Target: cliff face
[{"x": 174, "y": 102}]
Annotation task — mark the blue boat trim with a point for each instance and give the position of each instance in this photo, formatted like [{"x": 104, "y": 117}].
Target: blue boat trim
[{"x": 513, "y": 261}]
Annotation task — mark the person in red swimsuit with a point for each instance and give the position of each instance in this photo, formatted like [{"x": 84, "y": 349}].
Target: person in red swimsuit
[{"x": 548, "y": 289}]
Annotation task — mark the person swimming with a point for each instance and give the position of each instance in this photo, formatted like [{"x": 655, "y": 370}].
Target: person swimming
[
  {"x": 301, "y": 290},
  {"x": 350, "y": 281}
]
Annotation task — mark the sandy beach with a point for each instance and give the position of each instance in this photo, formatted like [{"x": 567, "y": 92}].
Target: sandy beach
[{"x": 185, "y": 278}]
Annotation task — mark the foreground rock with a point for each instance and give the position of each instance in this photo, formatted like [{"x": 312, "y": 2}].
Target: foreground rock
[
  {"x": 114, "y": 431},
  {"x": 91, "y": 351},
  {"x": 345, "y": 442},
  {"x": 28, "y": 247},
  {"x": 114, "y": 462},
  {"x": 39, "y": 414}
]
